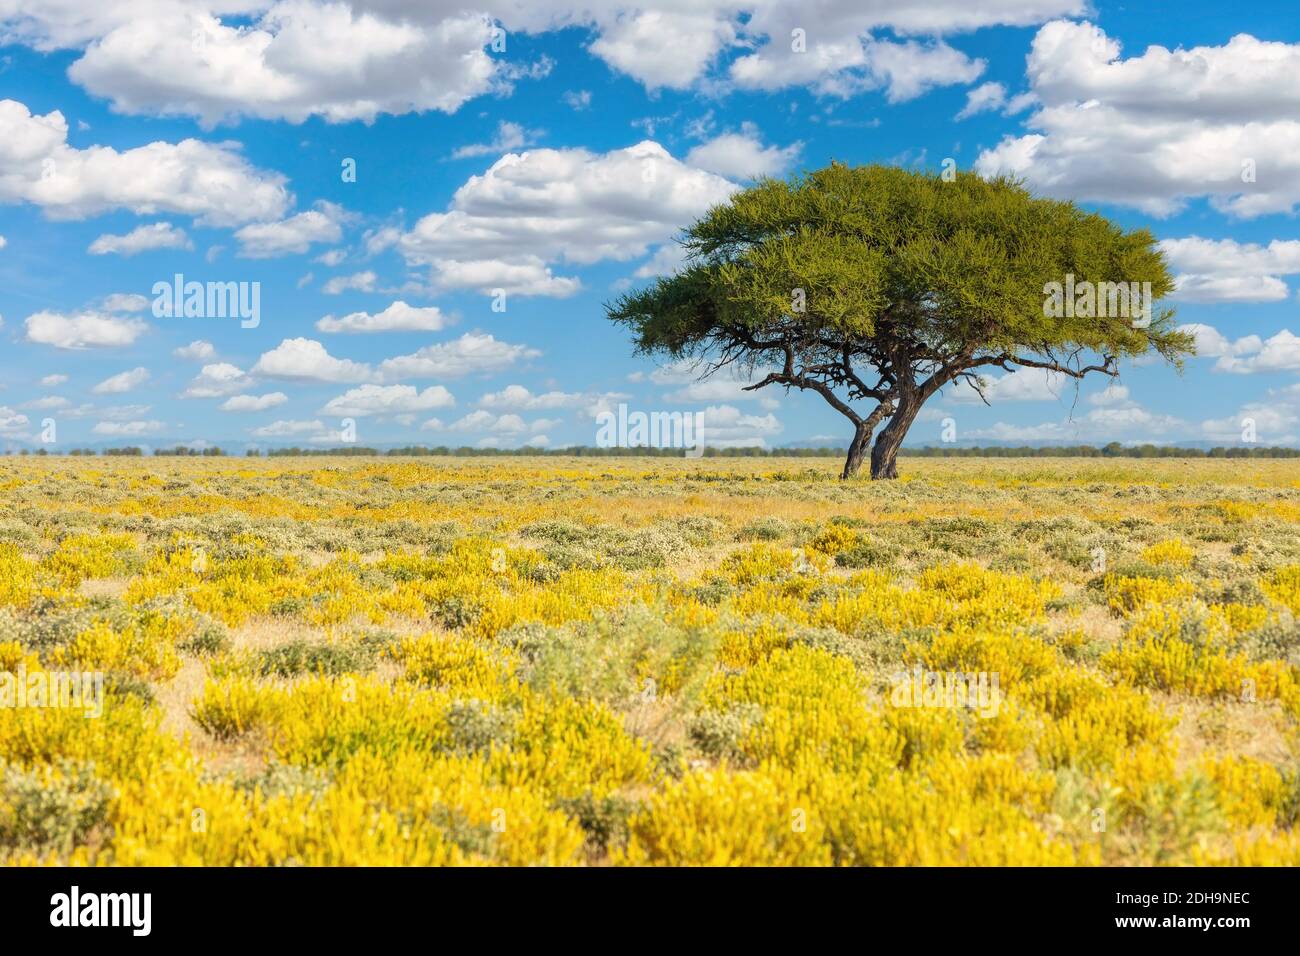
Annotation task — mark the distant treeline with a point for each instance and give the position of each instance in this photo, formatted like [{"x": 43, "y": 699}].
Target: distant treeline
[{"x": 1112, "y": 450}]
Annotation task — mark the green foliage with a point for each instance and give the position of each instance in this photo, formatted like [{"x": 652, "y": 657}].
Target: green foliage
[{"x": 884, "y": 284}]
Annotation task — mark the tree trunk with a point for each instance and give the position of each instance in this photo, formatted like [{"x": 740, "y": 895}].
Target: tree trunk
[
  {"x": 884, "y": 454},
  {"x": 857, "y": 450},
  {"x": 861, "y": 443}
]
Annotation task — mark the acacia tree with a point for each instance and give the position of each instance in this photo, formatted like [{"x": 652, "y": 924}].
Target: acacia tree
[{"x": 875, "y": 287}]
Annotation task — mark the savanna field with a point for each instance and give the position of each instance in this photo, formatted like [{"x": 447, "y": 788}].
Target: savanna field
[{"x": 650, "y": 661}]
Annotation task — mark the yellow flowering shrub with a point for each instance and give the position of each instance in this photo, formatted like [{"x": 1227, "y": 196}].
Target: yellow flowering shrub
[
  {"x": 1175, "y": 552},
  {"x": 465, "y": 662},
  {"x": 1127, "y": 594}
]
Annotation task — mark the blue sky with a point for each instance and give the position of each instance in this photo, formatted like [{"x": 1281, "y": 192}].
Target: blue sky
[{"x": 540, "y": 157}]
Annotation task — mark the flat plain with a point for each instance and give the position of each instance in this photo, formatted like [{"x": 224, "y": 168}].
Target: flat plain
[{"x": 633, "y": 661}]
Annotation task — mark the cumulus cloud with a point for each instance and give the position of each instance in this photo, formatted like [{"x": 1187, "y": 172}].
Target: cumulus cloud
[
  {"x": 663, "y": 49},
  {"x": 742, "y": 155},
  {"x": 699, "y": 384},
  {"x": 388, "y": 400},
  {"x": 1274, "y": 422},
  {"x": 217, "y": 381},
  {"x": 1019, "y": 385},
  {"x": 196, "y": 351},
  {"x": 122, "y": 382},
  {"x": 307, "y": 360},
  {"x": 210, "y": 182},
  {"x": 294, "y": 235},
  {"x": 1249, "y": 353},
  {"x": 508, "y": 136},
  {"x": 83, "y": 330},
  {"x": 988, "y": 97},
  {"x": 287, "y": 427},
  {"x": 852, "y": 63},
  {"x": 359, "y": 282},
  {"x": 726, "y": 426},
  {"x": 1127, "y": 423},
  {"x": 528, "y": 211},
  {"x": 128, "y": 429},
  {"x": 13, "y": 424},
  {"x": 1157, "y": 129},
  {"x": 398, "y": 317},
  {"x": 253, "y": 403},
  {"x": 50, "y": 381},
  {"x": 1225, "y": 270},
  {"x": 1278, "y": 353},
  {"x": 519, "y": 398},
  {"x": 158, "y": 235},
  {"x": 182, "y": 60},
  {"x": 473, "y": 353},
  {"x": 125, "y": 302},
  {"x": 384, "y": 56}
]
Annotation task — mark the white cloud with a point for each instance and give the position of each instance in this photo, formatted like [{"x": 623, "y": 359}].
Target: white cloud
[
  {"x": 388, "y": 400},
  {"x": 1273, "y": 423},
  {"x": 1210, "y": 343},
  {"x": 3, "y": 242},
  {"x": 1278, "y": 353},
  {"x": 47, "y": 402},
  {"x": 1112, "y": 394},
  {"x": 518, "y": 398},
  {"x": 664, "y": 49},
  {"x": 742, "y": 155},
  {"x": 851, "y": 63},
  {"x": 508, "y": 136},
  {"x": 666, "y": 260},
  {"x": 360, "y": 281},
  {"x": 122, "y": 382},
  {"x": 196, "y": 351},
  {"x": 84, "y": 330},
  {"x": 725, "y": 384},
  {"x": 12, "y": 424},
  {"x": 545, "y": 206},
  {"x": 50, "y": 381},
  {"x": 726, "y": 426},
  {"x": 381, "y": 61},
  {"x": 128, "y": 429},
  {"x": 577, "y": 99},
  {"x": 983, "y": 98},
  {"x": 1155, "y": 130},
  {"x": 1128, "y": 423},
  {"x": 1227, "y": 271},
  {"x": 216, "y": 381},
  {"x": 292, "y": 236},
  {"x": 1019, "y": 385},
  {"x": 284, "y": 428},
  {"x": 212, "y": 183},
  {"x": 111, "y": 413},
  {"x": 253, "y": 403},
  {"x": 307, "y": 360},
  {"x": 472, "y": 353},
  {"x": 399, "y": 56},
  {"x": 398, "y": 317},
  {"x": 125, "y": 302},
  {"x": 158, "y": 235}
]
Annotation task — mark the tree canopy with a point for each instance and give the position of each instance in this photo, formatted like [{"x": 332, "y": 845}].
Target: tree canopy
[{"x": 876, "y": 287}]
